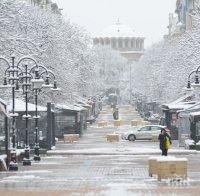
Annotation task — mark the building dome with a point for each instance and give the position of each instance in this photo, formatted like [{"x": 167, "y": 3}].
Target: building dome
[
  {"x": 117, "y": 30},
  {"x": 122, "y": 38}
]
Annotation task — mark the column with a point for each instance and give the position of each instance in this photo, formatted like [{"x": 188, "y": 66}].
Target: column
[
  {"x": 116, "y": 43},
  {"x": 129, "y": 43},
  {"x": 139, "y": 44},
  {"x": 49, "y": 126},
  {"x": 142, "y": 47},
  {"x": 53, "y": 125},
  {"x": 133, "y": 44},
  {"x": 136, "y": 44},
  {"x": 123, "y": 43}
]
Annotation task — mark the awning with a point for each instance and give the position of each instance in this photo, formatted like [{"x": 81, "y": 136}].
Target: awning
[
  {"x": 181, "y": 103},
  {"x": 21, "y": 107},
  {"x": 70, "y": 107},
  {"x": 195, "y": 116}
]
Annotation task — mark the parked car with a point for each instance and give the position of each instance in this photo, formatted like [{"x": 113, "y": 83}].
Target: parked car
[{"x": 142, "y": 132}]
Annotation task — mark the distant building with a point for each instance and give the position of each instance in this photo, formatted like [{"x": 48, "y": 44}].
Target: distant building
[
  {"x": 184, "y": 21},
  {"x": 173, "y": 28},
  {"x": 122, "y": 38},
  {"x": 46, "y": 4}
]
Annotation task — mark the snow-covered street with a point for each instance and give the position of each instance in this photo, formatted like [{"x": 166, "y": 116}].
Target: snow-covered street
[
  {"x": 94, "y": 166},
  {"x": 99, "y": 98}
]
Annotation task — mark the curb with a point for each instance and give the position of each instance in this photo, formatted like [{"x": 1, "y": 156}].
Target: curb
[{"x": 117, "y": 153}]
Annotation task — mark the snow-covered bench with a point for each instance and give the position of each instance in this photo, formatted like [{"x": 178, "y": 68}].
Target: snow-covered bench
[
  {"x": 71, "y": 137},
  {"x": 113, "y": 137},
  {"x": 102, "y": 123},
  {"x": 168, "y": 167},
  {"x": 153, "y": 164},
  {"x": 117, "y": 123}
]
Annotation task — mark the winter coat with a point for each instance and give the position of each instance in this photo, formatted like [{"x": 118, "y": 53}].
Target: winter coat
[
  {"x": 163, "y": 138},
  {"x": 116, "y": 115}
]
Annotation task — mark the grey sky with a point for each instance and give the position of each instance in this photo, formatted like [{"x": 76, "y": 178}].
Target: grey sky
[{"x": 147, "y": 17}]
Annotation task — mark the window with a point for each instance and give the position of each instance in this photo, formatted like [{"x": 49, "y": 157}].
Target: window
[
  {"x": 198, "y": 129},
  {"x": 145, "y": 128},
  {"x": 154, "y": 128}
]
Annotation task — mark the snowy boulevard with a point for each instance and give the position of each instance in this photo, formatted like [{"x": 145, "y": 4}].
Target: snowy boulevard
[{"x": 90, "y": 170}]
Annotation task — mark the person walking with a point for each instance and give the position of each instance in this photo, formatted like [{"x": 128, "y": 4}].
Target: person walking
[
  {"x": 116, "y": 114},
  {"x": 165, "y": 140}
]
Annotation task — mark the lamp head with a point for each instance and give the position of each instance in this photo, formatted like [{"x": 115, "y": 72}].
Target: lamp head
[
  {"x": 47, "y": 83},
  {"x": 188, "y": 85},
  {"x": 55, "y": 84},
  {"x": 37, "y": 73},
  {"x": 196, "y": 79},
  {"x": 17, "y": 86},
  {"x": 55, "y": 88},
  {"x": 5, "y": 84},
  {"x": 5, "y": 81},
  {"x": 37, "y": 83}
]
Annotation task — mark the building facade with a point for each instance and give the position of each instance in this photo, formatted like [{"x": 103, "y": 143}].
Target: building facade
[
  {"x": 185, "y": 10},
  {"x": 122, "y": 38},
  {"x": 173, "y": 28}
]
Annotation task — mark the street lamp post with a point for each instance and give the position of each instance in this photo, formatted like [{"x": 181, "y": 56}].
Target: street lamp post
[
  {"x": 36, "y": 117},
  {"x": 43, "y": 76},
  {"x": 30, "y": 80},
  {"x": 10, "y": 81},
  {"x": 189, "y": 78},
  {"x": 37, "y": 85},
  {"x": 25, "y": 79},
  {"x": 130, "y": 83}
]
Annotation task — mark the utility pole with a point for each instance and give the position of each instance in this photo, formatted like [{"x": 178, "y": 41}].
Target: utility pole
[{"x": 130, "y": 82}]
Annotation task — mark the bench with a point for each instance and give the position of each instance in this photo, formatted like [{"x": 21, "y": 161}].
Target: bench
[
  {"x": 152, "y": 162},
  {"x": 167, "y": 167},
  {"x": 113, "y": 137},
  {"x": 117, "y": 123},
  {"x": 71, "y": 137},
  {"x": 139, "y": 122},
  {"x": 102, "y": 123},
  {"x": 172, "y": 168},
  {"x": 134, "y": 123}
]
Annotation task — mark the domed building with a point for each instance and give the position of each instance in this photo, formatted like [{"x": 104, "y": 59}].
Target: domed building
[{"x": 122, "y": 38}]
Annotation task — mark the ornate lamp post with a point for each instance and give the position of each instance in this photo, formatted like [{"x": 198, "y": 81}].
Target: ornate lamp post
[
  {"x": 11, "y": 80},
  {"x": 41, "y": 81},
  {"x": 16, "y": 74},
  {"x": 33, "y": 80},
  {"x": 24, "y": 77}
]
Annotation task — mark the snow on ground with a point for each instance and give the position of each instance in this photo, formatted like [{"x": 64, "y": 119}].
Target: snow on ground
[
  {"x": 131, "y": 151},
  {"x": 19, "y": 178}
]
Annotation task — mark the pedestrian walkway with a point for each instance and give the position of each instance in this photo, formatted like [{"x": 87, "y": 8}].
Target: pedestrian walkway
[
  {"x": 94, "y": 142},
  {"x": 120, "y": 172},
  {"x": 126, "y": 114}
]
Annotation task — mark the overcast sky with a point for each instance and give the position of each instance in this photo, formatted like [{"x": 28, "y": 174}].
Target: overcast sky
[{"x": 147, "y": 17}]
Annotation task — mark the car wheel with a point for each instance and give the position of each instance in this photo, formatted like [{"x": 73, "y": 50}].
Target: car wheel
[{"x": 131, "y": 138}]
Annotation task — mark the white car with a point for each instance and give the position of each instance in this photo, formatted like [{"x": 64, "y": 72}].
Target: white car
[{"x": 142, "y": 132}]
